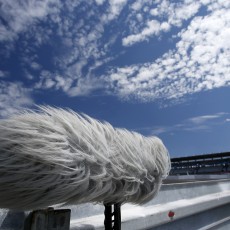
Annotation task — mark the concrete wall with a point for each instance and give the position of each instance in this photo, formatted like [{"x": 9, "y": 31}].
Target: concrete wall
[
  {"x": 216, "y": 218},
  {"x": 189, "y": 199}
]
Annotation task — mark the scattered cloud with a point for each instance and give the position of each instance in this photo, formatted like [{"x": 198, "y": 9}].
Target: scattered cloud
[
  {"x": 99, "y": 2},
  {"x": 160, "y": 130},
  {"x": 78, "y": 39},
  {"x": 19, "y": 15},
  {"x": 115, "y": 8},
  {"x": 13, "y": 97},
  {"x": 35, "y": 66},
  {"x": 77, "y": 47},
  {"x": 3, "y": 74},
  {"x": 153, "y": 28},
  {"x": 205, "y": 118},
  {"x": 165, "y": 15},
  {"x": 85, "y": 87},
  {"x": 193, "y": 124},
  {"x": 199, "y": 62}
]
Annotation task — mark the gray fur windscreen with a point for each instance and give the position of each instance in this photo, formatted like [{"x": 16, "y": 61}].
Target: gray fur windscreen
[{"x": 55, "y": 156}]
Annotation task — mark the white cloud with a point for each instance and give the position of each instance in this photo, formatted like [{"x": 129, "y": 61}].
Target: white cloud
[
  {"x": 137, "y": 5},
  {"x": 82, "y": 49},
  {"x": 142, "y": 5},
  {"x": 115, "y": 8},
  {"x": 34, "y": 65},
  {"x": 5, "y": 34},
  {"x": 50, "y": 80},
  {"x": 193, "y": 124},
  {"x": 153, "y": 28},
  {"x": 84, "y": 87},
  {"x": 199, "y": 62},
  {"x": 160, "y": 130},
  {"x": 48, "y": 83},
  {"x": 3, "y": 74},
  {"x": 99, "y": 2},
  {"x": 13, "y": 97},
  {"x": 205, "y": 118},
  {"x": 183, "y": 12},
  {"x": 79, "y": 39},
  {"x": 21, "y": 14},
  {"x": 173, "y": 14},
  {"x": 86, "y": 44}
]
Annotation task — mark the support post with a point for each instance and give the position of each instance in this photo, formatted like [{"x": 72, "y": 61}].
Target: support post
[
  {"x": 112, "y": 216},
  {"x": 48, "y": 219}
]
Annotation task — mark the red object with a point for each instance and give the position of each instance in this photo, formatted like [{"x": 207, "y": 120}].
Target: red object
[{"x": 171, "y": 214}]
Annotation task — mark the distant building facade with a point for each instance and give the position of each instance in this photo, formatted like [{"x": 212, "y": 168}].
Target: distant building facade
[{"x": 216, "y": 163}]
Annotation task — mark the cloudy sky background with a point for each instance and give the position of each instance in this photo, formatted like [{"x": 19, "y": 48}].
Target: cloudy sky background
[{"x": 156, "y": 67}]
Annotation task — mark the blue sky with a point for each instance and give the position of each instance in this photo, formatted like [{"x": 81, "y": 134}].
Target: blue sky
[{"x": 156, "y": 67}]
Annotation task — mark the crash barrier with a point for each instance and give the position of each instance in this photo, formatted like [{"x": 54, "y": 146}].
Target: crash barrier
[{"x": 184, "y": 202}]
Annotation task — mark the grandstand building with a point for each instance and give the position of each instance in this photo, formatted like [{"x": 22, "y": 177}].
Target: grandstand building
[{"x": 217, "y": 163}]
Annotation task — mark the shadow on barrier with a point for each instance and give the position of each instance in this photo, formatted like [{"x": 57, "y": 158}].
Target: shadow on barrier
[
  {"x": 14, "y": 220},
  {"x": 84, "y": 227}
]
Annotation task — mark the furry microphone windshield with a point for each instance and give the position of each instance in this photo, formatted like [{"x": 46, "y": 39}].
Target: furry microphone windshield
[{"x": 55, "y": 156}]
